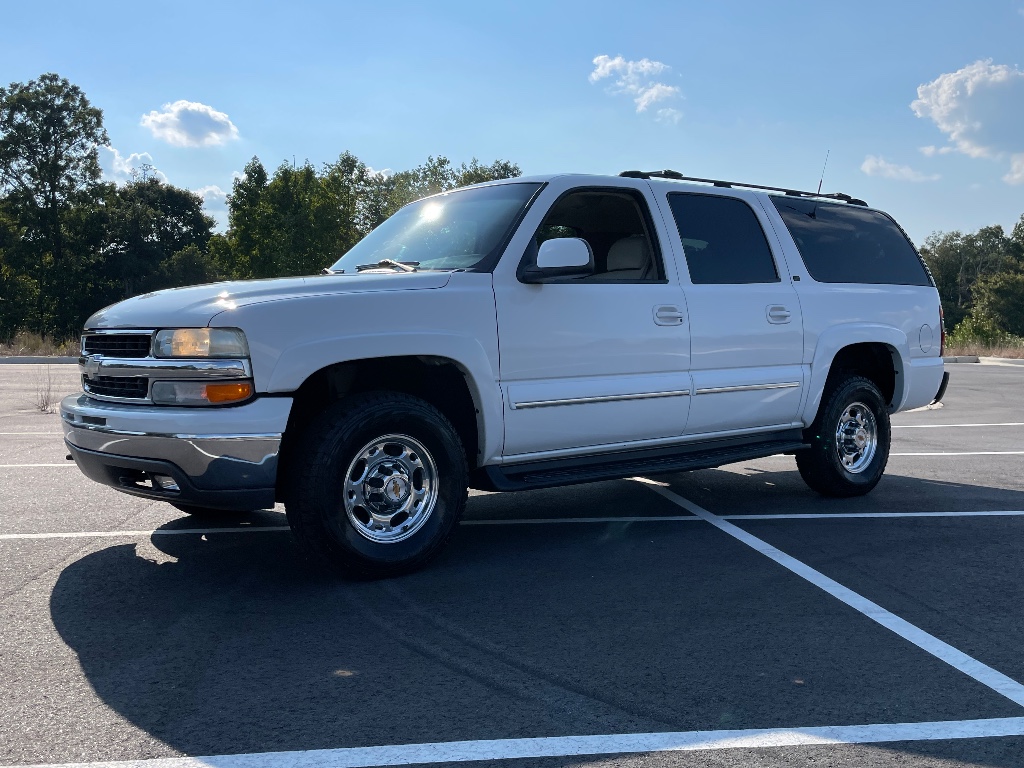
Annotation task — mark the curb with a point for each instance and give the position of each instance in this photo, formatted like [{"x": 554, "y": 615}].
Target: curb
[
  {"x": 1004, "y": 360},
  {"x": 962, "y": 359},
  {"x": 37, "y": 360}
]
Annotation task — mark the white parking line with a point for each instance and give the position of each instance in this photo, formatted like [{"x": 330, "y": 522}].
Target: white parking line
[
  {"x": 518, "y": 521},
  {"x": 971, "y": 667},
  {"x": 37, "y": 434},
  {"x": 949, "y": 426},
  {"x": 134, "y": 534},
  {"x": 964, "y": 453},
  {"x": 564, "y": 746},
  {"x": 883, "y": 515},
  {"x": 937, "y": 453},
  {"x": 23, "y": 466},
  {"x": 547, "y": 520}
]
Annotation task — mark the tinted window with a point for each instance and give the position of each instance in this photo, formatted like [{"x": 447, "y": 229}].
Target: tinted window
[
  {"x": 850, "y": 244},
  {"x": 722, "y": 240}
]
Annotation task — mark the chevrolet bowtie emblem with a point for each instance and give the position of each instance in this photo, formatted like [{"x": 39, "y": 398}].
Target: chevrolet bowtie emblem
[{"x": 92, "y": 365}]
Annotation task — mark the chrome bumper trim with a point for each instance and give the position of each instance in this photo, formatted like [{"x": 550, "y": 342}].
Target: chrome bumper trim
[
  {"x": 221, "y": 460},
  {"x": 164, "y": 369}
]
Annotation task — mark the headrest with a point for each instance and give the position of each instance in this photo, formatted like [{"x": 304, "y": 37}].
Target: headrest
[{"x": 628, "y": 253}]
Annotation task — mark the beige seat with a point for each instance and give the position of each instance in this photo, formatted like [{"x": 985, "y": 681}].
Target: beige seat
[{"x": 628, "y": 259}]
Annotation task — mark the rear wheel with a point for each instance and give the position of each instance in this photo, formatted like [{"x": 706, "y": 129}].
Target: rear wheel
[
  {"x": 380, "y": 486},
  {"x": 849, "y": 440}
]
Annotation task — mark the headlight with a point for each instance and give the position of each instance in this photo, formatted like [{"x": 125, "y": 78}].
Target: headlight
[
  {"x": 200, "y": 342},
  {"x": 200, "y": 392}
]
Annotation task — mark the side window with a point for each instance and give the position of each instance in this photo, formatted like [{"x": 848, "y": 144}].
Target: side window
[
  {"x": 616, "y": 225},
  {"x": 850, "y": 244},
  {"x": 722, "y": 240}
]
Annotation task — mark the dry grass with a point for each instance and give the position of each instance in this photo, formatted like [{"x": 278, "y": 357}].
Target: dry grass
[
  {"x": 26, "y": 343},
  {"x": 45, "y": 401},
  {"x": 1015, "y": 351}
]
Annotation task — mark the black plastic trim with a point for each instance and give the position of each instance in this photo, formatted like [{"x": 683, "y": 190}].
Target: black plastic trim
[
  {"x": 123, "y": 473},
  {"x": 942, "y": 388},
  {"x": 677, "y": 176},
  {"x": 613, "y": 466}
]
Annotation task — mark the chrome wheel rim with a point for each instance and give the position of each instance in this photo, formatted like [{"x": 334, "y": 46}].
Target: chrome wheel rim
[
  {"x": 856, "y": 437},
  {"x": 390, "y": 488}
]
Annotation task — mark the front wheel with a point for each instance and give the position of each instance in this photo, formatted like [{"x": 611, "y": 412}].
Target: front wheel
[
  {"x": 379, "y": 487},
  {"x": 849, "y": 440}
]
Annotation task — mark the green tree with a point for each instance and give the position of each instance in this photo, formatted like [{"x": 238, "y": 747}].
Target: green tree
[
  {"x": 49, "y": 134},
  {"x": 1000, "y": 297},
  {"x": 302, "y": 219},
  {"x": 150, "y": 224},
  {"x": 385, "y": 194},
  {"x": 241, "y": 253},
  {"x": 958, "y": 261}
]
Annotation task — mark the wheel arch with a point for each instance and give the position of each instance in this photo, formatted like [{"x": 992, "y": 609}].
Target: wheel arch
[
  {"x": 879, "y": 353},
  {"x": 441, "y": 381}
]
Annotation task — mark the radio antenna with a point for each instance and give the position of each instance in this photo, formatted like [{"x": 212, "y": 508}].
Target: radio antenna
[{"x": 823, "y": 170}]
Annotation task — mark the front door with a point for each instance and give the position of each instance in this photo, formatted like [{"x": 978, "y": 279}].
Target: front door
[{"x": 602, "y": 359}]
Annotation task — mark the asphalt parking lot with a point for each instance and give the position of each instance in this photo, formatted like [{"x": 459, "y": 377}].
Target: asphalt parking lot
[{"x": 727, "y": 617}]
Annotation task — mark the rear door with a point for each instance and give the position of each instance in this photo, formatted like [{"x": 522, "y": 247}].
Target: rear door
[{"x": 746, "y": 326}]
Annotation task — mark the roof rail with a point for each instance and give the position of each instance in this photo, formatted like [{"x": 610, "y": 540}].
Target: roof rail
[{"x": 677, "y": 176}]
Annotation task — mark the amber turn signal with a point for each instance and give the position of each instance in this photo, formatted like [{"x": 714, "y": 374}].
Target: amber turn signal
[{"x": 228, "y": 393}]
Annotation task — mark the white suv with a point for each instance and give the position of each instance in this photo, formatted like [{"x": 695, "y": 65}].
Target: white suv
[{"x": 518, "y": 334}]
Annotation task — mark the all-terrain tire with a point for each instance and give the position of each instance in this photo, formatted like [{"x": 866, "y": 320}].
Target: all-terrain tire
[
  {"x": 357, "y": 438},
  {"x": 849, "y": 439}
]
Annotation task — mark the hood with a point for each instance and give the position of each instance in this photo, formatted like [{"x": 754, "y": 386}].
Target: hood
[{"x": 197, "y": 305}]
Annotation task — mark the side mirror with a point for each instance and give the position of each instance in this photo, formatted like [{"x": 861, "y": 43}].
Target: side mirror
[{"x": 561, "y": 257}]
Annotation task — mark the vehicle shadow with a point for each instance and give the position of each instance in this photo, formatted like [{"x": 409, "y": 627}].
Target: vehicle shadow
[
  {"x": 777, "y": 488},
  {"x": 227, "y": 643}
]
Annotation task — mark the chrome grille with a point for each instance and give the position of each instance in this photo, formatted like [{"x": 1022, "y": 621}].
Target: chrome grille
[
  {"x": 121, "y": 345},
  {"x": 134, "y": 387}
]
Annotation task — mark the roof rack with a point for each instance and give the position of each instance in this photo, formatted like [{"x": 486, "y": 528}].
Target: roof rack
[{"x": 677, "y": 176}]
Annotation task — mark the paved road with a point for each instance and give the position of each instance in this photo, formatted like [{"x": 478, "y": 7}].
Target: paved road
[{"x": 745, "y": 604}]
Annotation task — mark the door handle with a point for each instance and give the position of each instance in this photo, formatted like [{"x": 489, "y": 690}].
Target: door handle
[
  {"x": 668, "y": 314},
  {"x": 778, "y": 314}
]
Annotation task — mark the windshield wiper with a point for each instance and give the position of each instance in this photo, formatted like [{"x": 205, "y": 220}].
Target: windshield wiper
[
  {"x": 403, "y": 266},
  {"x": 328, "y": 271}
]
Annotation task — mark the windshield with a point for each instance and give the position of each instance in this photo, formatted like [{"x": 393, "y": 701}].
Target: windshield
[{"x": 456, "y": 230}]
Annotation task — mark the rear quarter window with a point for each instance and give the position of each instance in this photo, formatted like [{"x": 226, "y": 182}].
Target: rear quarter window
[{"x": 849, "y": 244}]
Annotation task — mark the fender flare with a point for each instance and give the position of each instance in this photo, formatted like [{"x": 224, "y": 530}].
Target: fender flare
[
  {"x": 836, "y": 338},
  {"x": 299, "y": 362}
]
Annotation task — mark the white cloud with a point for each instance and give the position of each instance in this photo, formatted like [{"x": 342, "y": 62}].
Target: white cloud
[
  {"x": 980, "y": 108},
  {"x": 121, "y": 169},
  {"x": 878, "y": 166},
  {"x": 190, "y": 124},
  {"x": 931, "y": 151},
  {"x": 1016, "y": 174},
  {"x": 668, "y": 115},
  {"x": 636, "y": 79},
  {"x": 213, "y": 196}
]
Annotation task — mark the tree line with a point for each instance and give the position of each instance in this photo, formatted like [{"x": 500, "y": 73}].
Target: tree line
[
  {"x": 71, "y": 242},
  {"x": 980, "y": 277}
]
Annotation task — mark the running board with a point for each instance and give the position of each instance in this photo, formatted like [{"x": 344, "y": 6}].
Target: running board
[{"x": 613, "y": 466}]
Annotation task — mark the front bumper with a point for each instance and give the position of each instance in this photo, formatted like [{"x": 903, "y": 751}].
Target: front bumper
[{"x": 223, "y": 458}]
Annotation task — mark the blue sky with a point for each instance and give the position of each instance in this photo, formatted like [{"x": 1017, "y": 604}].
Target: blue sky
[{"x": 749, "y": 91}]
